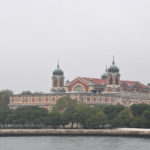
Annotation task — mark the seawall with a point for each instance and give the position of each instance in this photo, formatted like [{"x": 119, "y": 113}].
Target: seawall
[{"x": 76, "y": 132}]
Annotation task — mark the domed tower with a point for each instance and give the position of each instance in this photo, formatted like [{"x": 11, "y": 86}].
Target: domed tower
[
  {"x": 113, "y": 84},
  {"x": 58, "y": 80},
  {"x": 105, "y": 75},
  {"x": 113, "y": 74}
]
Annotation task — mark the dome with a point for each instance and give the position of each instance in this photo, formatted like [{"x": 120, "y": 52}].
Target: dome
[
  {"x": 105, "y": 75},
  {"x": 58, "y": 71},
  {"x": 113, "y": 68}
]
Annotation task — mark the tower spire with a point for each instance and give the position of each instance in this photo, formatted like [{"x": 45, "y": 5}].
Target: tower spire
[
  {"x": 58, "y": 64},
  {"x": 106, "y": 69},
  {"x": 113, "y": 60}
]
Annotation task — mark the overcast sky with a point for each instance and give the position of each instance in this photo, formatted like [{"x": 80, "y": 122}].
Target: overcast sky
[{"x": 82, "y": 34}]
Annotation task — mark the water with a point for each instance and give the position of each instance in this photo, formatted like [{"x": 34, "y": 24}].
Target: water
[{"x": 74, "y": 143}]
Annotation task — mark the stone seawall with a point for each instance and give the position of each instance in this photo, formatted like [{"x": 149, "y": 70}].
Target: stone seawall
[{"x": 75, "y": 132}]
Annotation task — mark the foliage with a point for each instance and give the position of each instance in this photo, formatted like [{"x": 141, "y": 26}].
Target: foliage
[
  {"x": 67, "y": 107},
  {"x": 26, "y": 93},
  {"x": 138, "y": 110},
  {"x": 68, "y": 111},
  {"x": 53, "y": 118},
  {"x": 112, "y": 111},
  {"x": 28, "y": 115},
  {"x": 81, "y": 115},
  {"x": 97, "y": 120},
  {"x": 65, "y": 103},
  {"x": 4, "y": 98},
  {"x": 4, "y": 116},
  {"x": 124, "y": 118}
]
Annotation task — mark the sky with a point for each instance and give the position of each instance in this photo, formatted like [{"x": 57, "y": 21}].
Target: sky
[{"x": 83, "y": 35}]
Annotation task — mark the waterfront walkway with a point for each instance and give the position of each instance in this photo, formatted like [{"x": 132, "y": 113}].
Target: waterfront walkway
[{"x": 76, "y": 132}]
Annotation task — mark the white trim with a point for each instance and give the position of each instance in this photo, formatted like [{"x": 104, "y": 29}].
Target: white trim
[{"x": 84, "y": 90}]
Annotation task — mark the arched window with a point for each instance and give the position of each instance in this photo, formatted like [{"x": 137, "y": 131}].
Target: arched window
[
  {"x": 117, "y": 81},
  {"x": 110, "y": 81},
  {"x": 55, "y": 83},
  {"x": 78, "y": 88},
  {"x": 61, "y": 83}
]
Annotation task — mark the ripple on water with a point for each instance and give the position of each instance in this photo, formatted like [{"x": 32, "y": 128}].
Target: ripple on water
[{"x": 74, "y": 143}]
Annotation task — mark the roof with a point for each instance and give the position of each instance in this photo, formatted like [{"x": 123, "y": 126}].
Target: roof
[
  {"x": 98, "y": 81},
  {"x": 131, "y": 83}
]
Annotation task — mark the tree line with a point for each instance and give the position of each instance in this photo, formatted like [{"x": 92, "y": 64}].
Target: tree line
[{"x": 68, "y": 113}]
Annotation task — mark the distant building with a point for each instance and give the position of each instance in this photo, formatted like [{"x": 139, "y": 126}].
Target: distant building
[{"x": 108, "y": 90}]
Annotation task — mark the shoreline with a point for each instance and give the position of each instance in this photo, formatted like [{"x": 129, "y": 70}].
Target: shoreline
[{"x": 76, "y": 132}]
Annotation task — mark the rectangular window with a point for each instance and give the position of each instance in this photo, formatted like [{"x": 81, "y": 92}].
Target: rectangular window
[
  {"x": 40, "y": 99},
  {"x": 88, "y": 98},
  {"x": 100, "y": 99},
  {"x": 12, "y": 99},
  {"x": 26, "y": 99},
  {"x": 46, "y": 99},
  {"x": 53, "y": 99},
  {"x": 106, "y": 99},
  {"x": 33, "y": 99}
]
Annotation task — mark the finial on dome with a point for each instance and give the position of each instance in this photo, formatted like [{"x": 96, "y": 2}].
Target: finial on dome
[
  {"x": 58, "y": 64},
  {"x": 113, "y": 60},
  {"x": 106, "y": 69},
  {"x": 58, "y": 70}
]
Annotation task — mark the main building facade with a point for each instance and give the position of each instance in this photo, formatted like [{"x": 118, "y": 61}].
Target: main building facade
[{"x": 107, "y": 90}]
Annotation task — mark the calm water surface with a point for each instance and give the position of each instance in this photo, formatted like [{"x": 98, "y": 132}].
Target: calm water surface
[{"x": 74, "y": 143}]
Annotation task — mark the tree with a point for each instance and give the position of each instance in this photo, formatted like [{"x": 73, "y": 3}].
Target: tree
[
  {"x": 146, "y": 116},
  {"x": 113, "y": 110},
  {"x": 138, "y": 109},
  {"x": 67, "y": 107},
  {"x": 64, "y": 119},
  {"x": 81, "y": 115},
  {"x": 36, "y": 115},
  {"x": 4, "y": 114},
  {"x": 97, "y": 120},
  {"x": 26, "y": 93},
  {"x": 28, "y": 115},
  {"x": 53, "y": 118},
  {"x": 4, "y": 98},
  {"x": 124, "y": 118},
  {"x": 65, "y": 103},
  {"x": 19, "y": 116},
  {"x": 137, "y": 122}
]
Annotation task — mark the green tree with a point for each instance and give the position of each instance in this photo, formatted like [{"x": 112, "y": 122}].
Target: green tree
[
  {"x": 67, "y": 107},
  {"x": 4, "y": 115},
  {"x": 26, "y": 92},
  {"x": 19, "y": 116},
  {"x": 53, "y": 118},
  {"x": 4, "y": 98},
  {"x": 138, "y": 109},
  {"x": 65, "y": 103},
  {"x": 146, "y": 117},
  {"x": 137, "y": 122},
  {"x": 112, "y": 111},
  {"x": 28, "y": 115},
  {"x": 82, "y": 114},
  {"x": 97, "y": 120},
  {"x": 36, "y": 115},
  {"x": 124, "y": 118}
]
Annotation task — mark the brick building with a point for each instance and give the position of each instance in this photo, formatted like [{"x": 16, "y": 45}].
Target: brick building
[{"x": 107, "y": 90}]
